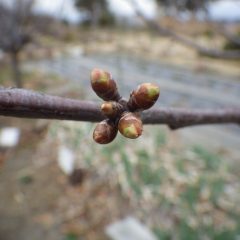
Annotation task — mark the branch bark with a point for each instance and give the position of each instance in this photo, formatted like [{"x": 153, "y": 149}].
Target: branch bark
[{"x": 28, "y": 104}]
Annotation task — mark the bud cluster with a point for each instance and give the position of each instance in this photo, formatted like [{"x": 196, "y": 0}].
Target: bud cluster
[{"x": 121, "y": 115}]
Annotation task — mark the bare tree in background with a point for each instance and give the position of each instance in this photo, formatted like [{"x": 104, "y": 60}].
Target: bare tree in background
[
  {"x": 15, "y": 20},
  {"x": 191, "y": 6},
  {"x": 97, "y": 10}
]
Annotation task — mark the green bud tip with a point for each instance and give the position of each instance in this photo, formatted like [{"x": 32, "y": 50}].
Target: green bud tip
[
  {"x": 100, "y": 76},
  {"x": 130, "y": 131},
  {"x": 153, "y": 90}
]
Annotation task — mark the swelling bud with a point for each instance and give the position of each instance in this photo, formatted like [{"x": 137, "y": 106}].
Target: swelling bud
[
  {"x": 103, "y": 85},
  {"x": 104, "y": 132},
  {"x": 130, "y": 125},
  {"x": 144, "y": 97},
  {"x": 111, "y": 109}
]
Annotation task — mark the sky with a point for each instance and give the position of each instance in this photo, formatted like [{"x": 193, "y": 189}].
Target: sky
[
  {"x": 221, "y": 10},
  {"x": 66, "y": 9},
  {"x": 225, "y": 10}
]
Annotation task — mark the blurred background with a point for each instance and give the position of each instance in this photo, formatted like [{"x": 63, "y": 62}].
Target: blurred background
[{"x": 56, "y": 183}]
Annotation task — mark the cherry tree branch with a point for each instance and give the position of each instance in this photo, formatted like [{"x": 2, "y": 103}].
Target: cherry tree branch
[
  {"x": 179, "y": 117},
  {"x": 28, "y": 104},
  {"x": 22, "y": 103},
  {"x": 163, "y": 31}
]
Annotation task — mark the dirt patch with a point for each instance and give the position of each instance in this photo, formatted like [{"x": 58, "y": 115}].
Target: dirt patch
[{"x": 37, "y": 199}]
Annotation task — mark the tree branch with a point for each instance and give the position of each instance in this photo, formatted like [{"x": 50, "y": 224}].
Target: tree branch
[
  {"x": 179, "y": 117},
  {"x": 28, "y": 104},
  {"x": 163, "y": 31}
]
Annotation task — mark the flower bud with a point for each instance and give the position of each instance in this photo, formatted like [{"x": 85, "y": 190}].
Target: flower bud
[
  {"x": 130, "y": 125},
  {"x": 104, "y": 132},
  {"x": 104, "y": 86},
  {"x": 143, "y": 97},
  {"x": 111, "y": 109}
]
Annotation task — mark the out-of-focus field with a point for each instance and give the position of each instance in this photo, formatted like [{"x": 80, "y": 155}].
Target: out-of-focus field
[
  {"x": 179, "y": 187},
  {"x": 179, "y": 192}
]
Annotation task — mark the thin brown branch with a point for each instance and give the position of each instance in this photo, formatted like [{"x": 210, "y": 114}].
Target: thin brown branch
[
  {"x": 179, "y": 117},
  {"x": 28, "y": 104},
  {"x": 163, "y": 31}
]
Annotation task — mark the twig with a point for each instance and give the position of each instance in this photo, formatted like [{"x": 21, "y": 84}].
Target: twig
[
  {"x": 162, "y": 31},
  {"x": 28, "y": 104},
  {"x": 179, "y": 117}
]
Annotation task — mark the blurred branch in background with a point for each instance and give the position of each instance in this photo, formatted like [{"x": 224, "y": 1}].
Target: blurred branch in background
[
  {"x": 97, "y": 11},
  {"x": 227, "y": 34},
  {"x": 28, "y": 104},
  {"x": 15, "y": 31},
  {"x": 192, "y": 6}
]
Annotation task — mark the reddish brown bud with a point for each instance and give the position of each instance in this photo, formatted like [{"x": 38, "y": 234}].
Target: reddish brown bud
[
  {"x": 130, "y": 125},
  {"x": 104, "y": 86},
  {"x": 104, "y": 132},
  {"x": 143, "y": 97},
  {"x": 111, "y": 109}
]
